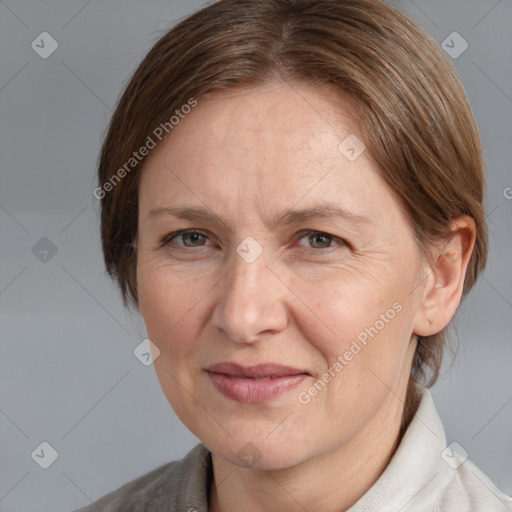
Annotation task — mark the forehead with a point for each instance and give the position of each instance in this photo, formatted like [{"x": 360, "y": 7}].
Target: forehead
[
  {"x": 259, "y": 147},
  {"x": 308, "y": 121}
]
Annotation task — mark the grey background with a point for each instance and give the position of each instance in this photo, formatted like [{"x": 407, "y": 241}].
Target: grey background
[{"x": 67, "y": 369}]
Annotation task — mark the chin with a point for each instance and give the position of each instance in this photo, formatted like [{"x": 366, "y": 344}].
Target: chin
[{"x": 262, "y": 455}]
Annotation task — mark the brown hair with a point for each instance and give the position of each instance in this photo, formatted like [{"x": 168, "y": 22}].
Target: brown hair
[{"x": 414, "y": 115}]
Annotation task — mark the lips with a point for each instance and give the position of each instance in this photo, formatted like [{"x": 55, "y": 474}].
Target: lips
[
  {"x": 254, "y": 384},
  {"x": 259, "y": 372}
]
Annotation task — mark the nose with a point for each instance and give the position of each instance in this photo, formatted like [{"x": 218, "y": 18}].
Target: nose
[{"x": 252, "y": 304}]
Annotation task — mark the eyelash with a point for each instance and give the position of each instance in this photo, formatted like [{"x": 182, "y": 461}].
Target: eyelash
[{"x": 171, "y": 236}]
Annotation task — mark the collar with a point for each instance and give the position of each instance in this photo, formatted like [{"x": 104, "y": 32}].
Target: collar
[{"x": 416, "y": 473}]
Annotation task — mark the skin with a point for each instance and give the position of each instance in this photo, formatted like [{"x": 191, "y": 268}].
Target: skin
[{"x": 248, "y": 155}]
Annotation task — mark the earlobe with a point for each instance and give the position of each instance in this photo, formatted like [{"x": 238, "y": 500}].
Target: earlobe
[{"x": 445, "y": 283}]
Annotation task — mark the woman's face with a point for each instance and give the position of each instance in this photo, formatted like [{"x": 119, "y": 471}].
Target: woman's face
[{"x": 334, "y": 293}]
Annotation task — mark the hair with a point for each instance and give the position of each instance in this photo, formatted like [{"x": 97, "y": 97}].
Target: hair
[{"x": 414, "y": 115}]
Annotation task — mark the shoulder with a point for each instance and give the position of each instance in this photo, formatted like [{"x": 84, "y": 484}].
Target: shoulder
[
  {"x": 132, "y": 495},
  {"x": 426, "y": 475},
  {"x": 470, "y": 489},
  {"x": 182, "y": 480}
]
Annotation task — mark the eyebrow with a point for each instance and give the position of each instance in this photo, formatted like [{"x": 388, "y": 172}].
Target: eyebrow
[{"x": 286, "y": 218}]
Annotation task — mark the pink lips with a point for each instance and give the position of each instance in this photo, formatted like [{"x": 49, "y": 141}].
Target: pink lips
[{"x": 254, "y": 384}]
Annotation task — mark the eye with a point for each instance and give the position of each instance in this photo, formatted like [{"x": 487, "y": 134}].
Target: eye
[
  {"x": 190, "y": 238},
  {"x": 320, "y": 240}
]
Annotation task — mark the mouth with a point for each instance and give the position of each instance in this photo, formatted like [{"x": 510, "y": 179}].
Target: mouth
[
  {"x": 254, "y": 384},
  {"x": 258, "y": 372}
]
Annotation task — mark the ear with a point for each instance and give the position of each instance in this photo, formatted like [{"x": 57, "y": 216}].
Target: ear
[{"x": 445, "y": 280}]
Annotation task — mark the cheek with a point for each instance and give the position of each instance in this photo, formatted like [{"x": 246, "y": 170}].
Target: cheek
[
  {"x": 170, "y": 309},
  {"x": 357, "y": 326},
  {"x": 361, "y": 334},
  {"x": 340, "y": 308},
  {"x": 169, "y": 304}
]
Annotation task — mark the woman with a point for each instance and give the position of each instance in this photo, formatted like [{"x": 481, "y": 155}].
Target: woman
[{"x": 291, "y": 195}]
